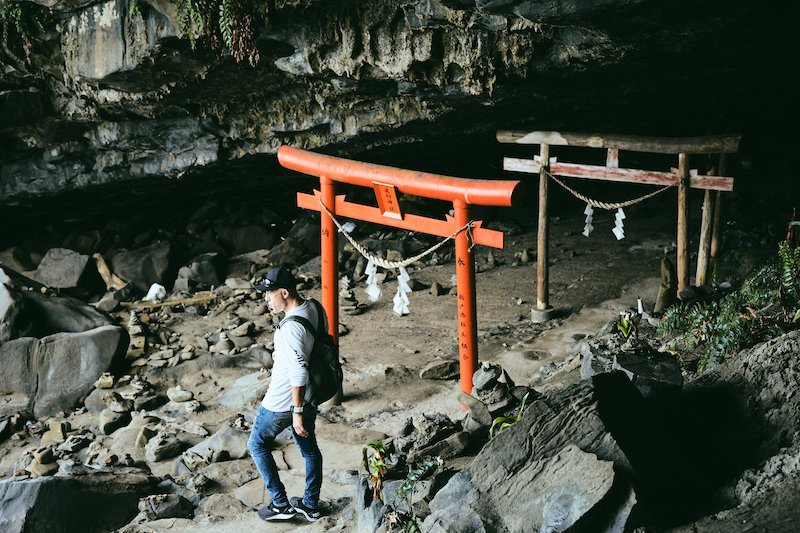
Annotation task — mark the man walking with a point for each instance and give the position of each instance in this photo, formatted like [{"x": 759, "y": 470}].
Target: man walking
[{"x": 282, "y": 405}]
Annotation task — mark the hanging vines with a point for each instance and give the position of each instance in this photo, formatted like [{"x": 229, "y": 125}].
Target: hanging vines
[
  {"x": 20, "y": 22},
  {"x": 220, "y": 25}
]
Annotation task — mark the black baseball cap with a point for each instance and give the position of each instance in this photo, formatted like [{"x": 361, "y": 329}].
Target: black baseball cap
[{"x": 277, "y": 278}]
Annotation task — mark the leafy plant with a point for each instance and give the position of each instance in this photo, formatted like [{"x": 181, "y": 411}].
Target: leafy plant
[
  {"x": 790, "y": 271},
  {"x": 20, "y": 20},
  {"x": 419, "y": 470},
  {"x": 502, "y": 422},
  {"x": 761, "y": 287},
  {"x": 625, "y": 325},
  {"x": 376, "y": 465},
  {"x": 220, "y": 24},
  {"x": 722, "y": 327}
]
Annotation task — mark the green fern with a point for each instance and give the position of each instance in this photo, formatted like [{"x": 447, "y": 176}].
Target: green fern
[
  {"x": 761, "y": 287},
  {"x": 790, "y": 269},
  {"x": 23, "y": 20},
  {"x": 407, "y": 489}
]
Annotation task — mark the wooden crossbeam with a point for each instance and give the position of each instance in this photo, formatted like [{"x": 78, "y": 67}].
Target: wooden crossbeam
[
  {"x": 717, "y": 144},
  {"x": 627, "y": 175},
  {"x": 431, "y": 226}
]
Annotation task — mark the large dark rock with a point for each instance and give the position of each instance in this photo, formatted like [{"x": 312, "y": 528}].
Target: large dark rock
[
  {"x": 29, "y": 312},
  {"x": 143, "y": 266},
  {"x": 61, "y": 268},
  {"x": 89, "y": 503},
  {"x": 44, "y": 376},
  {"x": 529, "y": 477}
]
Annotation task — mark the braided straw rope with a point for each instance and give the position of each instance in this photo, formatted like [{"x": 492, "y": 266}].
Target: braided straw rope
[
  {"x": 395, "y": 264},
  {"x": 606, "y": 205}
]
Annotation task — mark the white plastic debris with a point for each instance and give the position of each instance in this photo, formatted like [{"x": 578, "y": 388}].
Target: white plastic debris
[{"x": 156, "y": 292}]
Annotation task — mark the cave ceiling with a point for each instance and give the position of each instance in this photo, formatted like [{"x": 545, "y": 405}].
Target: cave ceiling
[{"x": 110, "y": 97}]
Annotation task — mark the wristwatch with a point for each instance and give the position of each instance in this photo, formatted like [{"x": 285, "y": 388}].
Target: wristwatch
[{"x": 296, "y": 409}]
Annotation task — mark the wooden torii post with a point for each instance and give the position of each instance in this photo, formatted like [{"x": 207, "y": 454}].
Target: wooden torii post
[
  {"x": 387, "y": 182},
  {"x": 682, "y": 177}
]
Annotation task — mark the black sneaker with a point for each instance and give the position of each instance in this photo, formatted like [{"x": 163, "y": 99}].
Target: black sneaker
[
  {"x": 312, "y": 515},
  {"x": 273, "y": 512}
]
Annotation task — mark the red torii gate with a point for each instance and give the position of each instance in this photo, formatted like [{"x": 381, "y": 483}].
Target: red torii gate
[{"x": 387, "y": 181}]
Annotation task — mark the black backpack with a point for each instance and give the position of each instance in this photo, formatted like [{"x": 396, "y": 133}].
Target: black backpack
[{"x": 324, "y": 368}]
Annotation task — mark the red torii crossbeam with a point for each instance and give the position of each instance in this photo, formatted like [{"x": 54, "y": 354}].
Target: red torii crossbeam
[{"x": 387, "y": 182}]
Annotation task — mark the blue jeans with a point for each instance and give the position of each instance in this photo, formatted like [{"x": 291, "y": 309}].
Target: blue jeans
[{"x": 266, "y": 426}]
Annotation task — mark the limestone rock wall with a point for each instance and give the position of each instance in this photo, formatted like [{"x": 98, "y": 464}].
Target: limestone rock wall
[{"x": 109, "y": 96}]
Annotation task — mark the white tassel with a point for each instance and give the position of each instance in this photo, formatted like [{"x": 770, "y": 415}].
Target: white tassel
[
  {"x": 619, "y": 231},
  {"x": 587, "y": 229},
  {"x": 373, "y": 290}
]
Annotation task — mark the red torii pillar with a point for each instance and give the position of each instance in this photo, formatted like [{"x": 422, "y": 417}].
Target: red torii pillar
[{"x": 387, "y": 181}]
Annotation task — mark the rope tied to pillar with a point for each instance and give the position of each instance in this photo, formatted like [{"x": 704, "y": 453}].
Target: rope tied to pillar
[
  {"x": 404, "y": 263},
  {"x": 374, "y": 292}
]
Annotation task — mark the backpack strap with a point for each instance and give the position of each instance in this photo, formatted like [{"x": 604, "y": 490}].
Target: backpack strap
[{"x": 305, "y": 322}]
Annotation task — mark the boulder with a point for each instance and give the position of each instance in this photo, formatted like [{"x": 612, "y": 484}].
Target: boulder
[
  {"x": 17, "y": 259},
  {"x": 442, "y": 369},
  {"x": 158, "y": 506},
  {"x": 71, "y": 504},
  {"x": 9, "y": 308},
  {"x": 250, "y": 238},
  {"x": 548, "y": 469},
  {"x": 31, "y": 313},
  {"x": 227, "y": 443},
  {"x": 549, "y": 494},
  {"x": 45, "y": 376},
  {"x": 61, "y": 269},
  {"x": 245, "y": 391},
  {"x": 652, "y": 372},
  {"x": 200, "y": 272},
  {"x": 143, "y": 266}
]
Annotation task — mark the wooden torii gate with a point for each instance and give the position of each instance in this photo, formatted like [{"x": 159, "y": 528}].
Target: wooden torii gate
[
  {"x": 387, "y": 182},
  {"x": 682, "y": 177}
]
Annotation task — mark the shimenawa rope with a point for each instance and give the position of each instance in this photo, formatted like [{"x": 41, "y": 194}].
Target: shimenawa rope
[
  {"x": 605, "y": 205},
  {"x": 395, "y": 264}
]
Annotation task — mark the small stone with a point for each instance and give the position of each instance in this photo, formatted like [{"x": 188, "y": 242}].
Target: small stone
[
  {"x": 74, "y": 443},
  {"x": 188, "y": 348},
  {"x": 105, "y": 381},
  {"x": 44, "y": 455},
  {"x": 486, "y": 376},
  {"x": 192, "y": 406},
  {"x": 436, "y": 289},
  {"x": 440, "y": 370},
  {"x": 202, "y": 343},
  {"x": 238, "y": 284},
  {"x": 243, "y": 330},
  {"x": 177, "y": 394},
  {"x": 38, "y": 470},
  {"x": 260, "y": 309},
  {"x": 144, "y": 436},
  {"x": 162, "y": 446},
  {"x": 158, "y": 363},
  {"x": 162, "y": 354},
  {"x": 59, "y": 430},
  {"x": 525, "y": 257},
  {"x": 110, "y": 421},
  {"x": 115, "y": 402}
]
